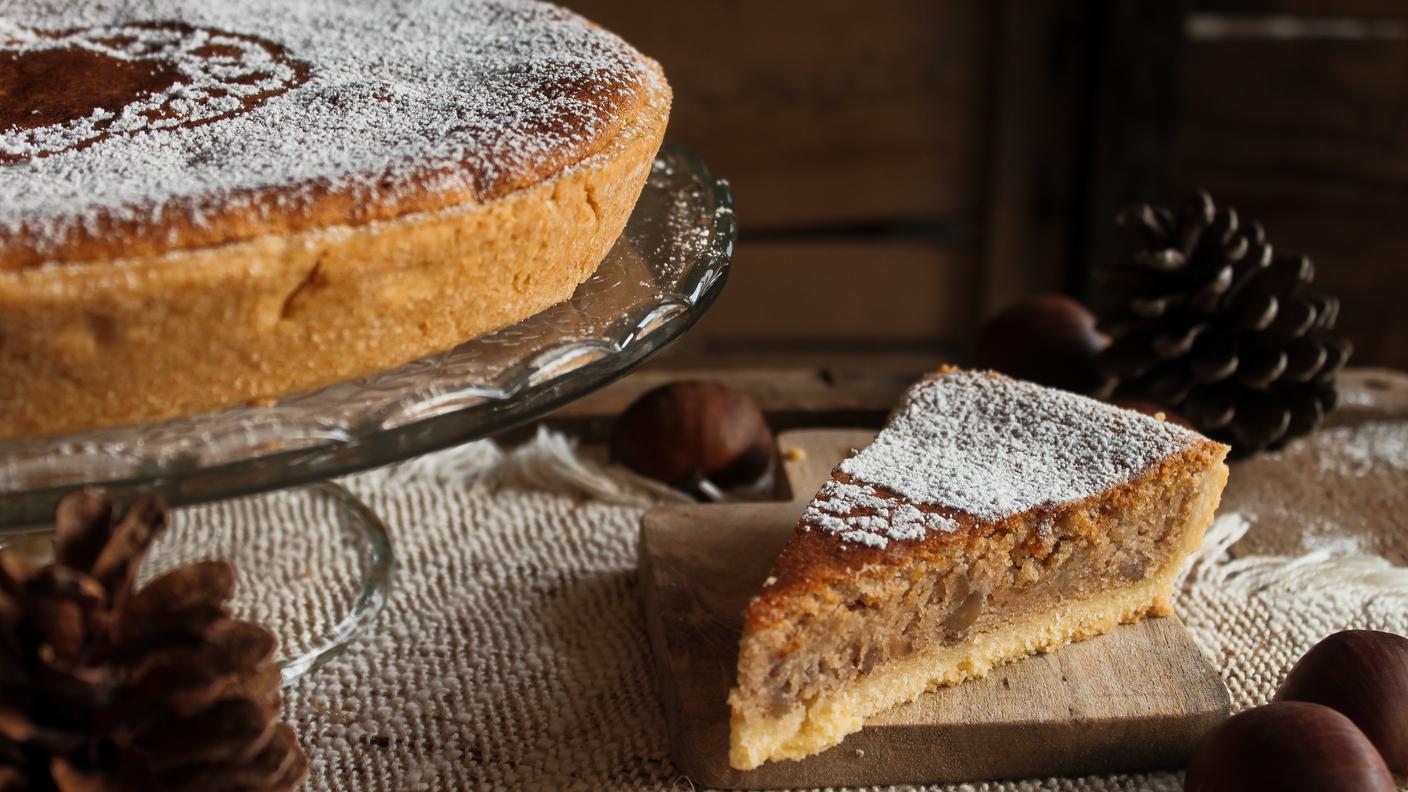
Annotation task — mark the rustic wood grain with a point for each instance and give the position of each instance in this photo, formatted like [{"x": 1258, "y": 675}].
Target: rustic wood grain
[
  {"x": 821, "y": 113},
  {"x": 841, "y": 292},
  {"x": 1010, "y": 133},
  {"x": 1301, "y": 128},
  {"x": 808, "y": 455},
  {"x": 1367, "y": 9},
  {"x": 1131, "y": 118},
  {"x": 1044, "y": 54},
  {"x": 1308, "y": 136},
  {"x": 1136, "y": 698},
  {"x": 790, "y": 396},
  {"x": 845, "y": 135},
  {"x": 1276, "y": 108}
]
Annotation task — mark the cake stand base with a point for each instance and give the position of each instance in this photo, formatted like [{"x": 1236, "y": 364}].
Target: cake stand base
[{"x": 314, "y": 565}]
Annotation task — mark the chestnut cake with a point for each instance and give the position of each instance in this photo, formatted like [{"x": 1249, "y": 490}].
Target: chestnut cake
[
  {"x": 204, "y": 203},
  {"x": 990, "y": 519}
]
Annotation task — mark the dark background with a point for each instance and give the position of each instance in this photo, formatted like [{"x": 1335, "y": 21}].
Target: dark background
[{"x": 905, "y": 167}]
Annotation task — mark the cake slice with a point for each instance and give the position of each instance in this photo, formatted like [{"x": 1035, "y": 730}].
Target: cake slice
[{"x": 989, "y": 520}]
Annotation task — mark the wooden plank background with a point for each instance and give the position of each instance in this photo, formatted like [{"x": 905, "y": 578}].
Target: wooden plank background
[
  {"x": 904, "y": 167},
  {"x": 1319, "y": 152},
  {"x": 1293, "y": 111},
  {"x": 857, "y": 145}
]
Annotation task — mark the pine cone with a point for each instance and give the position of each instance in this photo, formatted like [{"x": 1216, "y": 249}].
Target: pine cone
[
  {"x": 104, "y": 688},
  {"x": 1209, "y": 321}
]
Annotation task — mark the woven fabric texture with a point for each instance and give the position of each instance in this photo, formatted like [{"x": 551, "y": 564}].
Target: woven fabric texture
[{"x": 512, "y": 654}]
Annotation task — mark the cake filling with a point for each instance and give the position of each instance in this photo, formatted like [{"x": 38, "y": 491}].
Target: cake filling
[
  {"x": 989, "y": 520},
  {"x": 1018, "y": 569}
]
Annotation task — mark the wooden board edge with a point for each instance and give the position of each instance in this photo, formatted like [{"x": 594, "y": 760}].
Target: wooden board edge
[
  {"x": 1169, "y": 743},
  {"x": 1172, "y": 740}
]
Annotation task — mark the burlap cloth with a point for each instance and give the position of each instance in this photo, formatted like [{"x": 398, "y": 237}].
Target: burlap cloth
[{"x": 513, "y": 655}]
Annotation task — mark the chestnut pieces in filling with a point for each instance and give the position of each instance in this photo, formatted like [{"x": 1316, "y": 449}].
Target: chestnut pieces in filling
[{"x": 1025, "y": 566}]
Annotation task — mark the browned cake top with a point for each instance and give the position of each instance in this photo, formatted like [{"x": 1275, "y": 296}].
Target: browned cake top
[
  {"x": 139, "y": 126},
  {"x": 987, "y": 446}
]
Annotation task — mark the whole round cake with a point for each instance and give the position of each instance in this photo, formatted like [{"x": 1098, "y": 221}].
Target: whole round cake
[{"x": 204, "y": 204}]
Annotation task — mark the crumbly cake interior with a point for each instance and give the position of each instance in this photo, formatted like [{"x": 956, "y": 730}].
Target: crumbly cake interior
[
  {"x": 990, "y": 519},
  {"x": 988, "y": 587}
]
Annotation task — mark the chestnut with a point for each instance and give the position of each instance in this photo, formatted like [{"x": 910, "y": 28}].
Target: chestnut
[
  {"x": 1363, "y": 674},
  {"x": 692, "y": 435},
  {"x": 1287, "y": 746},
  {"x": 1048, "y": 339}
]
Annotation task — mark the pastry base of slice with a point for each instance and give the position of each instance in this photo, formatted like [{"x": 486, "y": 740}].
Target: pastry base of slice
[
  {"x": 1161, "y": 518},
  {"x": 826, "y": 721}
]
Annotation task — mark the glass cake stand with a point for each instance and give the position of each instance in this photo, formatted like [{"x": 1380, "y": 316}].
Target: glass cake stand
[{"x": 664, "y": 272}]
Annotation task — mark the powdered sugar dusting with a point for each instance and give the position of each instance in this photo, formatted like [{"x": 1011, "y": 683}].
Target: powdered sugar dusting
[
  {"x": 857, "y": 513},
  {"x": 398, "y": 92},
  {"x": 214, "y": 74},
  {"x": 990, "y": 447},
  {"x": 1361, "y": 449}
]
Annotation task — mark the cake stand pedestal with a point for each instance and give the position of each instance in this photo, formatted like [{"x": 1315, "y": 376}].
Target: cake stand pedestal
[{"x": 235, "y": 469}]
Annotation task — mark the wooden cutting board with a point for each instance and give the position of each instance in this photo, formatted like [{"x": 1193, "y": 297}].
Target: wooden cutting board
[{"x": 1137, "y": 698}]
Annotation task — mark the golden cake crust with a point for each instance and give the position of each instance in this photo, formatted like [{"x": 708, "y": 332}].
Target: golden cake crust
[
  {"x": 195, "y": 216},
  {"x": 166, "y": 125},
  {"x": 87, "y": 345},
  {"x": 184, "y": 225}
]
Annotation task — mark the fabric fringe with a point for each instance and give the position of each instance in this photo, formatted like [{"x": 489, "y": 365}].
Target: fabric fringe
[
  {"x": 1368, "y": 577},
  {"x": 551, "y": 462},
  {"x": 451, "y": 466}
]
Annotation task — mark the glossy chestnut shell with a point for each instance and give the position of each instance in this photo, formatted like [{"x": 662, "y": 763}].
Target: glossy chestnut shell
[
  {"x": 688, "y": 433},
  {"x": 1363, "y": 674},
  {"x": 1287, "y": 746},
  {"x": 1048, "y": 339}
]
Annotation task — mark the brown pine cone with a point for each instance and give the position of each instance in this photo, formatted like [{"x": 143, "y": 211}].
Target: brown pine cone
[
  {"x": 105, "y": 688},
  {"x": 1209, "y": 321}
]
